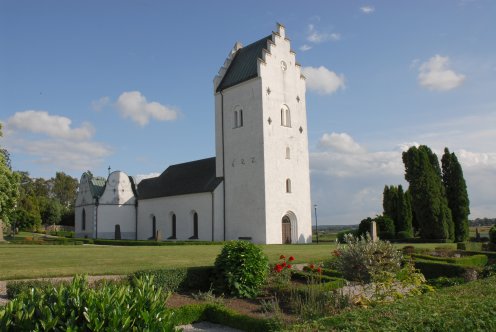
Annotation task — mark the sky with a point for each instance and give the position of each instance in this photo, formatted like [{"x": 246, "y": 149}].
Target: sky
[{"x": 85, "y": 85}]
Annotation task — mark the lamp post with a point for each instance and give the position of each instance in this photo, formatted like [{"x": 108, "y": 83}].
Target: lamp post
[{"x": 316, "y": 223}]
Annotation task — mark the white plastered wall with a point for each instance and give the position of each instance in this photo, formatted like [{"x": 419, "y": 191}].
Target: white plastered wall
[
  {"x": 86, "y": 202},
  {"x": 287, "y": 87}
]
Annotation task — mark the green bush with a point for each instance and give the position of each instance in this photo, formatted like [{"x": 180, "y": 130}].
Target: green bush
[
  {"x": 14, "y": 288},
  {"x": 241, "y": 269},
  {"x": 385, "y": 227},
  {"x": 341, "y": 235},
  {"x": 442, "y": 282},
  {"x": 492, "y": 234},
  {"x": 171, "y": 280},
  {"x": 403, "y": 235},
  {"x": 360, "y": 258},
  {"x": 76, "y": 307}
]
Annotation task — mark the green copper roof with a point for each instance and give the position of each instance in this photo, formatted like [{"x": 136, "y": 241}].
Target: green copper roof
[
  {"x": 244, "y": 65},
  {"x": 97, "y": 186}
]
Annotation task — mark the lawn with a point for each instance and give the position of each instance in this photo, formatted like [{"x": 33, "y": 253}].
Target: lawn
[{"x": 33, "y": 261}]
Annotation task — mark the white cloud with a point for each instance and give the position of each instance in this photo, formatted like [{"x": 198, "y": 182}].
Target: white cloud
[
  {"x": 98, "y": 105},
  {"x": 318, "y": 37},
  {"x": 341, "y": 142},
  {"x": 305, "y": 47},
  {"x": 322, "y": 80},
  {"x": 134, "y": 105},
  {"x": 435, "y": 75},
  {"x": 50, "y": 140},
  {"x": 40, "y": 122},
  {"x": 367, "y": 9},
  {"x": 141, "y": 177}
]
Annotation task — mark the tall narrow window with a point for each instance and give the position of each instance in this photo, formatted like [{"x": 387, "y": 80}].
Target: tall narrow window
[
  {"x": 195, "y": 226},
  {"x": 288, "y": 153},
  {"x": 235, "y": 119},
  {"x": 285, "y": 116},
  {"x": 238, "y": 116},
  {"x": 83, "y": 223},
  {"x": 288, "y": 185},
  {"x": 173, "y": 221},
  {"x": 154, "y": 227}
]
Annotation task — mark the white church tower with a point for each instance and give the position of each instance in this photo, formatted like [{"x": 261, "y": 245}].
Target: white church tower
[{"x": 262, "y": 143}]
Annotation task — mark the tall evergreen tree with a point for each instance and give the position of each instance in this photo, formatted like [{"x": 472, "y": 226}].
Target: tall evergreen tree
[
  {"x": 429, "y": 201},
  {"x": 390, "y": 201},
  {"x": 404, "y": 213},
  {"x": 456, "y": 192}
]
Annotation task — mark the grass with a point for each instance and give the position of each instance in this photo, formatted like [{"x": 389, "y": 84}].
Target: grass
[
  {"x": 469, "y": 307},
  {"x": 34, "y": 261}
]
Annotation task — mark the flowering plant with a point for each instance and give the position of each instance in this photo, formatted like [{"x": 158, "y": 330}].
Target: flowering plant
[{"x": 281, "y": 273}]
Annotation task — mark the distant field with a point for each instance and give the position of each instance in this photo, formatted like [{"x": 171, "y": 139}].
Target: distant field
[{"x": 483, "y": 231}]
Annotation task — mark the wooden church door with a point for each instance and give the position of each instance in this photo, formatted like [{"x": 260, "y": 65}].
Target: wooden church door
[{"x": 286, "y": 230}]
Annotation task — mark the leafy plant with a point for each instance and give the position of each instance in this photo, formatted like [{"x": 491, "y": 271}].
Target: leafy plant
[
  {"x": 360, "y": 258},
  {"x": 280, "y": 274},
  {"x": 76, "y": 307},
  {"x": 241, "y": 269},
  {"x": 492, "y": 234}
]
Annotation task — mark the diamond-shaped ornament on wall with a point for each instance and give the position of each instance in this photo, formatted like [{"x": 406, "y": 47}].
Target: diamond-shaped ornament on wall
[
  {"x": 269, "y": 120},
  {"x": 301, "y": 130}
]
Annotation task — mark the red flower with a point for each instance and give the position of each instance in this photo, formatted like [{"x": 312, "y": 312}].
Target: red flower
[
  {"x": 319, "y": 270},
  {"x": 312, "y": 266},
  {"x": 278, "y": 268},
  {"x": 289, "y": 266},
  {"x": 282, "y": 257},
  {"x": 291, "y": 258},
  {"x": 283, "y": 264}
]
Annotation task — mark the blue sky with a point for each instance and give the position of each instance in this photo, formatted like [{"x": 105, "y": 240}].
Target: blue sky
[{"x": 88, "y": 84}]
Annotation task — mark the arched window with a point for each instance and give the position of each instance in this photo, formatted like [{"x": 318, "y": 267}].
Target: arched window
[
  {"x": 195, "y": 226},
  {"x": 288, "y": 153},
  {"x": 173, "y": 219},
  {"x": 154, "y": 227},
  {"x": 235, "y": 119},
  {"x": 240, "y": 118},
  {"x": 285, "y": 116},
  {"x": 83, "y": 218},
  {"x": 288, "y": 185}
]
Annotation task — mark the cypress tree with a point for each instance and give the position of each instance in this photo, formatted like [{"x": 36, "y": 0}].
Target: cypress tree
[
  {"x": 429, "y": 201},
  {"x": 456, "y": 192},
  {"x": 404, "y": 213},
  {"x": 390, "y": 202}
]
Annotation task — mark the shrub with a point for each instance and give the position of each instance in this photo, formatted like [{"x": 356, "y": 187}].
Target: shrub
[
  {"x": 14, "y": 288},
  {"x": 341, "y": 235},
  {"x": 470, "y": 261},
  {"x": 385, "y": 227},
  {"x": 492, "y": 234},
  {"x": 403, "y": 235},
  {"x": 171, "y": 280},
  {"x": 77, "y": 307},
  {"x": 360, "y": 258},
  {"x": 241, "y": 269},
  {"x": 442, "y": 282},
  {"x": 434, "y": 269}
]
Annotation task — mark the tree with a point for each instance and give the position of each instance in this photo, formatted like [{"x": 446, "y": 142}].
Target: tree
[
  {"x": 65, "y": 189},
  {"x": 50, "y": 210},
  {"x": 9, "y": 188},
  {"x": 429, "y": 200},
  {"x": 397, "y": 207},
  {"x": 456, "y": 192},
  {"x": 385, "y": 227}
]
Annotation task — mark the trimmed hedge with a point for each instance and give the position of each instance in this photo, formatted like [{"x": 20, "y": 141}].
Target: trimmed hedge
[
  {"x": 490, "y": 255},
  {"x": 221, "y": 315},
  {"x": 151, "y": 243},
  {"x": 471, "y": 261},
  {"x": 433, "y": 269},
  {"x": 174, "y": 279},
  {"x": 14, "y": 288},
  {"x": 471, "y": 246}
]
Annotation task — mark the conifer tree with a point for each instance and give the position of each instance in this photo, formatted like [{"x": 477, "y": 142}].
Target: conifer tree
[
  {"x": 456, "y": 192},
  {"x": 429, "y": 202},
  {"x": 404, "y": 214}
]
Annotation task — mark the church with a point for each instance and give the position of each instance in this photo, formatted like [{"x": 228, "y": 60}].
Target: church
[{"x": 256, "y": 188}]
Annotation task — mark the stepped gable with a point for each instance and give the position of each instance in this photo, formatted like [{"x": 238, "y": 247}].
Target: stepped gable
[{"x": 188, "y": 178}]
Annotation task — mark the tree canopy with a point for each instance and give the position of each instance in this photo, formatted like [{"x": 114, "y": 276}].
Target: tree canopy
[{"x": 9, "y": 186}]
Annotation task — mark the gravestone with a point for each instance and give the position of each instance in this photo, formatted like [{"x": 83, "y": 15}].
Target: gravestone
[
  {"x": 373, "y": 231},
  {"x": 117, "y": 232}
]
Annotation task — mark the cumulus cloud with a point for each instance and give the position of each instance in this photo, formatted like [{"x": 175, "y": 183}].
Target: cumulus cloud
[
  {"x": 40, "y": 122},
  {"x": 322, "y": 80},
  {"x": 134, "y": 105},
  {"x": 435, "y": 74},
  {"x": 367, "y": 9},
  {"x": 51, "y": 140},
  {"x": 341, "y": 142},
  {"x": 98, "y": 105}
]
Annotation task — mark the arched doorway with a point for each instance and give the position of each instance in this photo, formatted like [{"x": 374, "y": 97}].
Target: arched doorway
[{"x": 286, "y": 230}]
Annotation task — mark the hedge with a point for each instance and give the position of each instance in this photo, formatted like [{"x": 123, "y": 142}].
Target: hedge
[
  {"x": 471, "y": 261},
  {"x": 14, "y": 288},
  {"x": 150, "y": 242},
  {"x": 219, "y": 314},
  {"x": 173, "y": 279},
  {"x": 490, "y": 255},
  {"x": 433, "y": 269}
]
